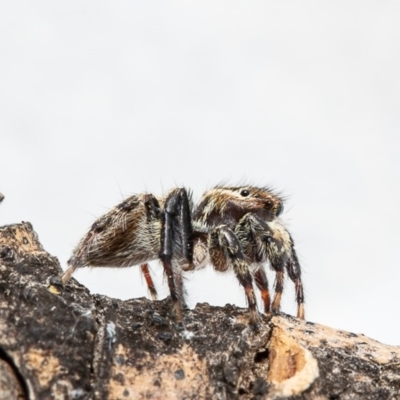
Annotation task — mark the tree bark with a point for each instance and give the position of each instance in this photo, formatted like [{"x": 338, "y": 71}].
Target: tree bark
[{"x": 65, "y": 343}]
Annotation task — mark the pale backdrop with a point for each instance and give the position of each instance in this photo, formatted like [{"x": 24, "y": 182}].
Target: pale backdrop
[{"x": 103, "y": 99}]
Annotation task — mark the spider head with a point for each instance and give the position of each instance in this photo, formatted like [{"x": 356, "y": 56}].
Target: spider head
[
  {"x": 227, "y": 205},
  {"x": 259, "y": 201}
]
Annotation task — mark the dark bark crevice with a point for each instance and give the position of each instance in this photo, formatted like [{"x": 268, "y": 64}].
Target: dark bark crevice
[{"x": 17, "y": 374}]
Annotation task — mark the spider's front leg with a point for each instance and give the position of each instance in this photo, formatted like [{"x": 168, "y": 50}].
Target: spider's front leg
[
  {"x": 246, "y": 231},
  {"x": 225, "y": 250},
  {"x": 294, "y": 272},
  {"x": 270, "y": 241},
  {"x": 261, "y": 280},
  {"x": 176, "y": 242}
]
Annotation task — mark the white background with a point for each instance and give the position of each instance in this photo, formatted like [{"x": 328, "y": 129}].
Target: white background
[{"x": 103, "y": 99}]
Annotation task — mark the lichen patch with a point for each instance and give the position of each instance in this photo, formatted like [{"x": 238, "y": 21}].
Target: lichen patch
[
  {"x": 21, "y": 237},
  {"x": 171, "y": 376},
  {"x": 43, "y": 365}
]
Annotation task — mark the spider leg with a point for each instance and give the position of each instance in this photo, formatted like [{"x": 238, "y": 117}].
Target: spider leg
[
  {"x": 278, "y": 286},
  {"x": 66, "y": 276},
  {"x": 252, "y": 234},
  {"x": 270, "y": 241},
  {"x": 224, "y": 244},
  {"x": 186, "y": 230},
  {"x": 261, "y": 280},
  {"x": 294, "y": 272},
  {"x": 79, "y": 254},
  {"x": 149, "y": 281},
  {"x": 176, "y": 219}
]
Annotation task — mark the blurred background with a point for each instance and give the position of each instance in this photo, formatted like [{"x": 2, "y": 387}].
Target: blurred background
[{"x": 103, "y": 99}]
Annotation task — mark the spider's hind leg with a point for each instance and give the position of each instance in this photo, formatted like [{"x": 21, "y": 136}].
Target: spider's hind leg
[{"x": 66, "y": 276}]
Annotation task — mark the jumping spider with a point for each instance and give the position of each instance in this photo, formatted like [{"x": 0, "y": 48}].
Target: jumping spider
[{"x": 231, "y": 227}]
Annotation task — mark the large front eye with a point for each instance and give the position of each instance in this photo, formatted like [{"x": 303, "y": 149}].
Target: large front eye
[
  {"x": 244, "y": 192},
  {"x": 279, "y": 209}
]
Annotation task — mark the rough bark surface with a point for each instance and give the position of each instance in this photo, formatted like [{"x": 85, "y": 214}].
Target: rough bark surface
[{"x": 64, "y": 343}]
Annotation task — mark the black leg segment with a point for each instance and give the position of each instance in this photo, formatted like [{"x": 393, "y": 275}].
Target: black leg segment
[{"x": 176, "y": 235}]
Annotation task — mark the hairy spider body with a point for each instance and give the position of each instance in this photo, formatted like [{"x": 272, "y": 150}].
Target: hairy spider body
[{"x": 231, "y": 227}]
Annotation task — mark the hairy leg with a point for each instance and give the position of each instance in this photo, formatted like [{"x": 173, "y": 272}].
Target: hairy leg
[
  {"x": 149, "y": 281},
  {"x": 176, "y": 220},
  {"x": 225, "y": 250},
  {"x": 294, "y": 272},
  {"x": 270, "y": 241},
  {"x": 261, "y": 280}
]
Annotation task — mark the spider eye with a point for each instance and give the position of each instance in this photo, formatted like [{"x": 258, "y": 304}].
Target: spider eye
[
  {"x": 244, "y": 192},
  {"x": 269, "y": 203},
  {"x": 279, "y": 209}
]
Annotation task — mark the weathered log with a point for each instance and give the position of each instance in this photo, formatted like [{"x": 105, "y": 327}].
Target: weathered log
[{"x": 64, "y": 343}]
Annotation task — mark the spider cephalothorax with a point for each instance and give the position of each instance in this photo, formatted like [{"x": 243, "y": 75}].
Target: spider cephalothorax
[
  {"x": 231, "y": 227},
  {"x": 227, "y": 205}
]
